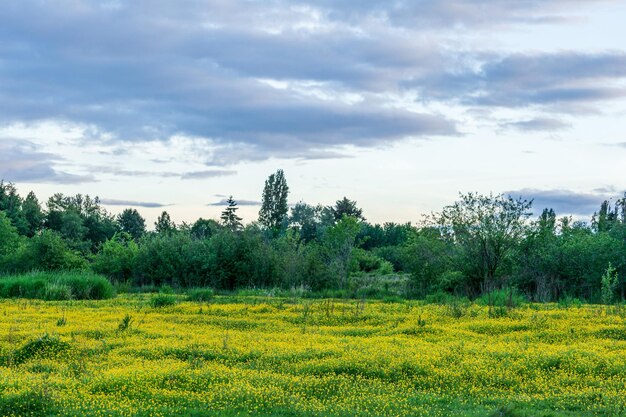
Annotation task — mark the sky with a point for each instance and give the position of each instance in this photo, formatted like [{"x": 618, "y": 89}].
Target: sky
[{"x": 399, "y": 105}]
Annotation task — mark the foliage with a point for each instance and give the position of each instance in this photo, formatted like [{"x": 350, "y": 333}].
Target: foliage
[
  {"x": 346, "y": 207},
  {"x": 164, "y": 224},
  {"x": 131, "y": 222},
  {"x": 478, "y": 245},
  {"x": 163, "y": 300},
  {"x": 200, "y": 294},
  {"x": 204, "y": 229},
  {"x": 80, "y": 220},
  {"x": 485, "y": 228},
  {"x": 56, "y": 286},
  {"x": 125, "y": 323},
  {"x": 116, "y": 258},
  {"x": 274, "y": 201},
  {"x": 609, "y": 284},
  {"x": 268, "y": 356},
  {"x": 9, "y": 237},
  {"x": 46, "y": 251},
  {"x": 229, "y": 216}
]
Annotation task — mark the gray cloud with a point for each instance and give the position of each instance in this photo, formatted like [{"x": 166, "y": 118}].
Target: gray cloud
[
  {"x": 113, "y": 202},
  {"x": 20, "y": 161},
  {"x": 147, "y": 71},
  {"x": 290, "y": 79},
  {"x": 537, "y": 125},
  {"x": 458, "y": 13},
  {"x": 224, "y": 202},
  {"x": 560, "y": 79},
  {"x": 564, "y": 202},
  {"x": 211, "y": 173}
]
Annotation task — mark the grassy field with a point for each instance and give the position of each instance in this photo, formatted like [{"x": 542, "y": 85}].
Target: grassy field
[{"x": 286, "y": 357}]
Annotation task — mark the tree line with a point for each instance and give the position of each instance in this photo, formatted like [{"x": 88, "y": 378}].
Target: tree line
[{"x": 479, "y": 244}]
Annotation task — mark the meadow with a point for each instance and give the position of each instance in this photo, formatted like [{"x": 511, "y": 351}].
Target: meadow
[{"x": 261, "y": 355}]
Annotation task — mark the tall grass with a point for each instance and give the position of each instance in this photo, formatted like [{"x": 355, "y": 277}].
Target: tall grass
[{"x": 56, "y": 286}]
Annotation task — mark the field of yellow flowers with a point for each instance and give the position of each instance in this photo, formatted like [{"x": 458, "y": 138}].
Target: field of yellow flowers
[{"x": 291, "y": 357}]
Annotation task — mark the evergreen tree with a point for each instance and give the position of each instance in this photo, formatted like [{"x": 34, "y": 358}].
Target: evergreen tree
[
  {"x": 274, "y": 206},
  {"x": 229, "y": 216},
  {"x": 164, "y": 224},
  {"x": 346, "y": 207}
]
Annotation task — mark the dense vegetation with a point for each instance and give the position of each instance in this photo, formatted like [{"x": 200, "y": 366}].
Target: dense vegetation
[
  {"x": 480, "y": 244},
  {"x": 272, "y": 356}
]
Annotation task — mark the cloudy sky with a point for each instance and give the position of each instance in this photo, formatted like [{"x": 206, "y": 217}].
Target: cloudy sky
[{"x": 397, "y": 104}]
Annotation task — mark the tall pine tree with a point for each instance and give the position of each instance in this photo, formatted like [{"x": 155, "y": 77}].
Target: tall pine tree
[{"x": 229, "y": 216}]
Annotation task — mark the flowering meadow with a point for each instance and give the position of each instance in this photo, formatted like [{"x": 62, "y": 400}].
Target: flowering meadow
[{"x": 251, "y": 355}]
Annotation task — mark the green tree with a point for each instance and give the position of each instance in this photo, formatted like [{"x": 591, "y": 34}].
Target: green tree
[
  {"x": 427, "y": 257},
  {"x": 339, "y": 242},
  {"x": 346, "y": 207},
  {"x": 164, "y": 224},
  {"x": 33, "y": 214},
  {"x": 11, "y": 204},
  {"x": 306, "y": 220},
  {"x": 538, "y": 268},
  {"x": 46, "y": 251},
  {"x": 609, "y": 284},
  {"x": 229, "y": 217},
  {"x": 274, "y": 201},
  {"x": 116, "y": 257},
  {"x": 131, "y": 222},
  {"x": 204, "y": 228},
  {"x": 486, "y": 228},
  {"x": 80, "y": 220},
  {"x": 9, "y": 237}
]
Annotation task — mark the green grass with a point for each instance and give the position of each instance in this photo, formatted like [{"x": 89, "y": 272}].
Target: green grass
[
  {"x": 163, "y": 300},
  {"x": 200, "y": 294},
  {"x": 52, "y": 286}
]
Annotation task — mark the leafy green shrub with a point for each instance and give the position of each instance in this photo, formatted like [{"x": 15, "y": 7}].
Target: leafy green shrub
[
  {"x": 200, "y": 294},
  {"x": 56, "y": 286},
  {"x": 162, "y": 300},
  {"x": 609, "y": 284},
  {"x": 45, "y": 252},
  {"x": 116, "y": 258}
]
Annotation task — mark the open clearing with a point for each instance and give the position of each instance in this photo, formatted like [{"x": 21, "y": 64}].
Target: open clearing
[{"x": 269, "y": 356}]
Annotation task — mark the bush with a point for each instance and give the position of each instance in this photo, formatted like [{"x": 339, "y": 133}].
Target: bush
[
  {"x": 44, "y": 252},
  {"x": 200, "y": 294},
  {"x": 56, "y": 286},
  {"x": 162, "y": 300},
  {"x": 116, "y": 258}
]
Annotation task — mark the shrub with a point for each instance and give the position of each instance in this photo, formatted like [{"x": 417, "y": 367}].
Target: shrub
[
  {"x": 200, "y": 294},
  {"x": 609, "y": 284},
  {"x": 56, "y": 286},
  {"x": 116, "y": 258},
  {"x": 162, "y": 300},
  {"x": 46, "y": 252}
]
